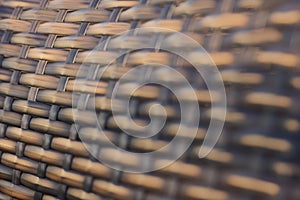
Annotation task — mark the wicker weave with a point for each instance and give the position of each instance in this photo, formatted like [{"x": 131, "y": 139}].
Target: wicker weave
[{"x": 254, "y": 43}]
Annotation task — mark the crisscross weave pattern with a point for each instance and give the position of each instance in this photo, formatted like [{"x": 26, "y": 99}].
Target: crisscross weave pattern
[{"x": 255, "y": 45}]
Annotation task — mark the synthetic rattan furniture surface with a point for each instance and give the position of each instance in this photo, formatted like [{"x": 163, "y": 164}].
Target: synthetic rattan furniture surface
[{"x": 255, "y": 45}]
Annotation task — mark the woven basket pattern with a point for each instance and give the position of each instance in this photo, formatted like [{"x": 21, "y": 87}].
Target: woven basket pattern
[{"x": 255, "y": 45}]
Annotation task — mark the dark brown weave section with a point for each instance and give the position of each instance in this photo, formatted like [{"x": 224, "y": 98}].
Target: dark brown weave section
[{"x": 255, "y": 45}]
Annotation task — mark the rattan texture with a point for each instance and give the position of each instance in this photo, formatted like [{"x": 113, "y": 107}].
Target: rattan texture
[{"x": 255, "y": 45}]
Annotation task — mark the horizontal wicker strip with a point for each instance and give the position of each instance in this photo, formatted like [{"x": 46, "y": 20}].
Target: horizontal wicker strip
[{"x": 255, "y": 44}]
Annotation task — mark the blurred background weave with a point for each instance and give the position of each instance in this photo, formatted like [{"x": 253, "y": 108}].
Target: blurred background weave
[{"x": 255, "y": 45}]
